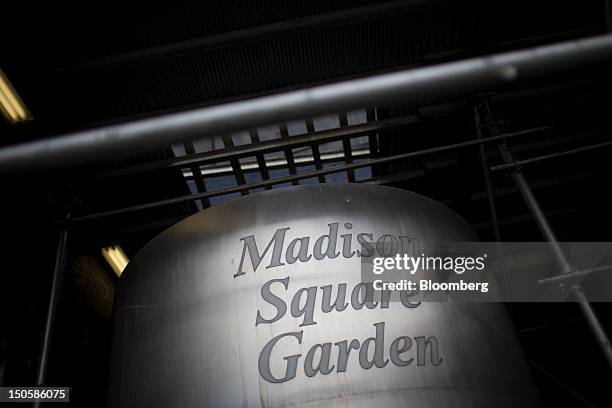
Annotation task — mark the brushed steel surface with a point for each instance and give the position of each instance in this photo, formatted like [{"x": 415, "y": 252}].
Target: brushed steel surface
[{"x": 185, "y": 332}]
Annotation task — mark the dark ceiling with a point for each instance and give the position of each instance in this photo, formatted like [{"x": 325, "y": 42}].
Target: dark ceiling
[{"x": 82, "y": 66}]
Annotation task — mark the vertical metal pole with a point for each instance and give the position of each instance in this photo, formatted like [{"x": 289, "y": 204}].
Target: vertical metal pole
[
  {"x": 197, "y": 174},
  {"x": 489, "y": 188},
  {"x": 56, "y": 286},
  {"x": 3, "y": 359},
  {"x": 487, "y": 176},
  {"x": 562, "y": 261}
]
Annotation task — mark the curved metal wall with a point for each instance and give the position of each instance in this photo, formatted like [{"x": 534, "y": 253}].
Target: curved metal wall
[{"x": 234, "y": 307}]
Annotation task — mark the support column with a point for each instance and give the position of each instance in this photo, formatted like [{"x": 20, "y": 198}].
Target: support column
[
  {"x": 56, "y": 287},
  {"x": 549, "y": 235}
]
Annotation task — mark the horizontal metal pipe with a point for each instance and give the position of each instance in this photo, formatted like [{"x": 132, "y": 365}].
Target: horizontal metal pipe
[
  {"x": 262, "y": 147},
  {"x": 300, "y": 176},
  {"x": 404, "y": 86},
  {"x": 574, "y": 276},
  {"x": 519, "y": 163}
]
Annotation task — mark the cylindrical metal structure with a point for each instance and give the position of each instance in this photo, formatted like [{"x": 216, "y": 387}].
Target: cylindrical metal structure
[{"x": 257, "y": 302}]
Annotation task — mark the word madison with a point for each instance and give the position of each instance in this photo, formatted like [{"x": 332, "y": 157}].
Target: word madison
[
  {"x": 369, "y": 352},
  {"x": 298, "y": 248}
]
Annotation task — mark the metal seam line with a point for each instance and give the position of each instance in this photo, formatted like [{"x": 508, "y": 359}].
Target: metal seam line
[{"x": 404, "y": 86}]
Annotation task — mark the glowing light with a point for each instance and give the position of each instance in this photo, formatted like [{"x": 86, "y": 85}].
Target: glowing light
[
  {"x": 11, "y": 105},
  {"x": 116, "y": 258}
]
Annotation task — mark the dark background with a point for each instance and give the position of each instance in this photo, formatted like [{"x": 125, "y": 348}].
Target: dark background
[{"x": 78, "y": 67}]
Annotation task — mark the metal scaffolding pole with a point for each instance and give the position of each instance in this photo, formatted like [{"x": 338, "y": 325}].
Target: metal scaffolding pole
[
  {"x": 566, "y": 267},
  {"x": 571, "y": 278},
  {"x": 563, "y": 385},
  {"x": 56, "y": 287},
  {"x": 405, "y": 87},
  {"x": 521, "y": 163},
  {"x": 487, "y": 176}
]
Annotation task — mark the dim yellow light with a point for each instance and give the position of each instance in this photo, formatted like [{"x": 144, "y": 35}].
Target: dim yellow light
[
  {"x": 11, "y": 105},
  {"x": 116, "y": 258}
]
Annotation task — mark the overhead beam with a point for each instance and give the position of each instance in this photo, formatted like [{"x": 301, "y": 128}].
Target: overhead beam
[
  {"x": 340, "y": 17},
  {"x": 404, "y": 87}
]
